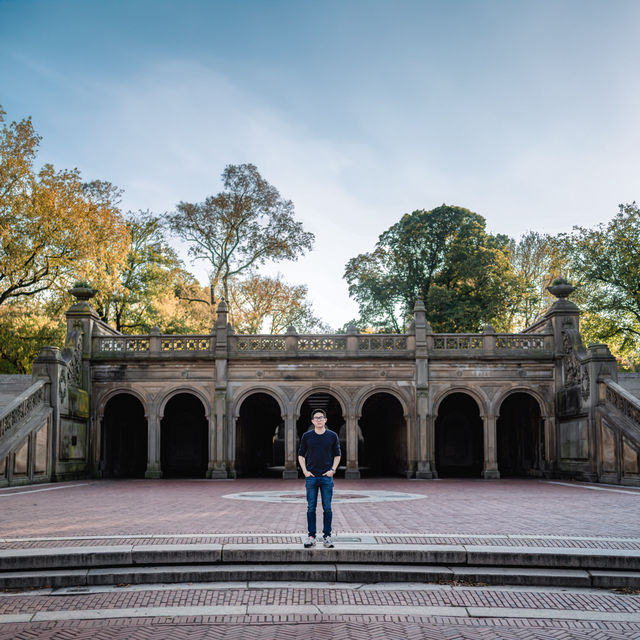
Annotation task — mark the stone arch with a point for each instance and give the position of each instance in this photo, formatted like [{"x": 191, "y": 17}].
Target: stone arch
[
  {"x": 520, "y": 437},
  {"x": 459, "y": 434},
  {"x": 106, "y": 395},
  {"x": 339, "y": 395},
  {"x": 248, "y": 391},
  {"x": 382, "y": 433},
  {"x": 371, "y": 390},
  {"x": 476, "y": 393},
  {"x": 124, "y": 435},
  {"x": 194, "y": 391},
  {"x": 259, "y": 434},
  {"x": 184, "y": 434},
  {"x": 545, "y": 410},
  {"x": 337, "y": 413}
]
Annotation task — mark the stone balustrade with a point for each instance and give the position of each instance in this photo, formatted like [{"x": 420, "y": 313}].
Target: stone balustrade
[
  {"x": 22, "y": 407},
  {"x": 356, "y": 344}
]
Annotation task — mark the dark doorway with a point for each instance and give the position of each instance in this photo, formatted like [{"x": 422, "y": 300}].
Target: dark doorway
[
  {"x": 520, "y": 437},
  {"x": 260, "y": 442},
  {"x": 335, "y": 420},
  {"x": 459, "y": 437},
  {"x": 184, "y": 437},
  {"x": 382, "y": 437},
  {"x": 124, "y": 438}
]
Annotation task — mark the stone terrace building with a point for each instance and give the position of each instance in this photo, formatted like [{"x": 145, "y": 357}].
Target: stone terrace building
[{"x": 419, "y": 405}]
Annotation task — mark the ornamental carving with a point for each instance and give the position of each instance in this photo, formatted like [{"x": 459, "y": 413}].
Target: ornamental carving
[
  {"x": 22, "y": 412},
  {"x": 575, "y": 374}
]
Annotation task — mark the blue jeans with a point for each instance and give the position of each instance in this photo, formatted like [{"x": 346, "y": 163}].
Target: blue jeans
[{"x": 325, "y": 484}]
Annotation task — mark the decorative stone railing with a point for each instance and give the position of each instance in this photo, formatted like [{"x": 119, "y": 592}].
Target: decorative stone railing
[
  {"x": 257, "y": 344},
  {"x": 354, "y": 344},
  {"x": 503, "y": 342},
  {"x": 627, "y": 404},
  {"x": 457, "y": 342},
  {"x": 341, "y": 344},
  {"x": 145, "y": 345},
  {"x": 382, "y": 342},
  {"x": 22, "y": 407}
]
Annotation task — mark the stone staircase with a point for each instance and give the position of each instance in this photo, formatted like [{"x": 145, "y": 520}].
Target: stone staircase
[
  {"x": 11, "y": 386},
  {"x": 85, "y": 566}
]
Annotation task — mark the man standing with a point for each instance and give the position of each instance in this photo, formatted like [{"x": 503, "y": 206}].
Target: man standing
[{"x": 319, "y": 455}]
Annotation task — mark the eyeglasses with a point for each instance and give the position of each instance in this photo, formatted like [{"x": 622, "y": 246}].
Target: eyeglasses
[{"x": 319, "y": 418}]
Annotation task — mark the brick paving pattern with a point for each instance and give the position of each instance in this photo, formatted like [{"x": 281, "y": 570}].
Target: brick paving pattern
[
  {"x": 347, "y": 628},
  {"x": 527, "y": 513},
  {"x": 471, "y": 507},
  {"x": 472, "y": 597}
]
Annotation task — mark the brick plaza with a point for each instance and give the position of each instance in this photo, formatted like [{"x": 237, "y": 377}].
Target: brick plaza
[{"x": 505, "y": 512}]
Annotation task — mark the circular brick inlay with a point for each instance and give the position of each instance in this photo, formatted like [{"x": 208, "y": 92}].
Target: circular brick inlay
[{"x": 338, "y": 496}]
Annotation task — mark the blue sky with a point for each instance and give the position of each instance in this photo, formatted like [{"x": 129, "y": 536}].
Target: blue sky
[{"x": 358, "y": 110}]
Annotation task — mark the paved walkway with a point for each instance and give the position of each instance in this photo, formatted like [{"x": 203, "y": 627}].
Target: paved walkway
[{"x": 510, "y": 512}]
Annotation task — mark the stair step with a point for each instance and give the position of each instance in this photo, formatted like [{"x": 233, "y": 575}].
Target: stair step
[{"x": 360, "y": 573}]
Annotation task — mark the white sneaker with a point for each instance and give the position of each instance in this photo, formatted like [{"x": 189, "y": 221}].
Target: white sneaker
[
  {"x": 327, "y": 542},
  {"x": 310, "y": 542}
]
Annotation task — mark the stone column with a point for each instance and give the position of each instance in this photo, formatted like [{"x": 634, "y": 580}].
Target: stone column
[
  {"x": 423, "y": 337},
  {"x": 547, "y": 424},
  {"x": 425, "y": 467},
  {"x": 154, "y": 469},
  {"x": 352, "y": 472},
  {"x": 219, "y": 414},
  {"x": 290, "y": 447},
  {"x": 490, "y": 470}
]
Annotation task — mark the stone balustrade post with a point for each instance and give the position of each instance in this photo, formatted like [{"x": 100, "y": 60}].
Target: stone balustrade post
[{"x": 352, "y": 340}]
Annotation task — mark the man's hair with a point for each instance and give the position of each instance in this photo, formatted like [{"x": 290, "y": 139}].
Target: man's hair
[{"x": 322, "y": 411}]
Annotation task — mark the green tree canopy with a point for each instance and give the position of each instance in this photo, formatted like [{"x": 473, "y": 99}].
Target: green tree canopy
[
  {"x": 605, "y": 266},
  {"x": 444, "y": 256},
  {"x": 54, "y": 227},
  {"x": 241, "y": 227},
  {"x": 536, "y": 259}
]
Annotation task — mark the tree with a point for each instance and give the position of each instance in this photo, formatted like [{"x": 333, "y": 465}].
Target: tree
[
  {"x": 260, "y": 303},
  {"x": 151, "y": 278},
  {"x": 605, "y": 263},
  {"x": 54, "y": 227},
  {"x": 443, "y": 256},
  {"x": 239, "y": 228},
  {"x": 536, "y": 259}
]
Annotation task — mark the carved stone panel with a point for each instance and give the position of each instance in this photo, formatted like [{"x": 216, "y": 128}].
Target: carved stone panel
[
  {"x": 608, "y": 449},
  {"x": 73, "y": 440},
  {"x": 41, "y": 449},
  {"x": 21, "y": 459},
  {"x": 630, "y": 463},
  {"x": 574, "y": 443}
]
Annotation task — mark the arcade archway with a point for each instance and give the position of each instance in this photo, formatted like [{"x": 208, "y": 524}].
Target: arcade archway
[
  {"x": 184, "y": 436},
  {"x": 335, "y": 419},
  {"x": 260, "y": 437},
  {"x": 520, "y": 436},
  {"x": 124, "y": 438},
  {"x": 459, "y": 437},
  {"x": 382, "y": 437}
]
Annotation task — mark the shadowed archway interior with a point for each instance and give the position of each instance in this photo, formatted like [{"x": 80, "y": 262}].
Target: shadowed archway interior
[
  {"x": 382, "y": 437},
  {"x": 335, "y": 419},
  {"x": 459, "y": 437},
  {"x": 124, "y": 438},
  {"x": 520, "y": 436},
  {"x": 184, "y": 429},
  {"x": 260, "y": 439}
]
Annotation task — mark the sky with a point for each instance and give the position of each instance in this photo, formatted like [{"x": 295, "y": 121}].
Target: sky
[{"x": 359, "y": 111}]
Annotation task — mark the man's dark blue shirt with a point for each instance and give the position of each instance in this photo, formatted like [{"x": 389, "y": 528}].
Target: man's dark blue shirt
[{"x": 319, "y": 450}]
